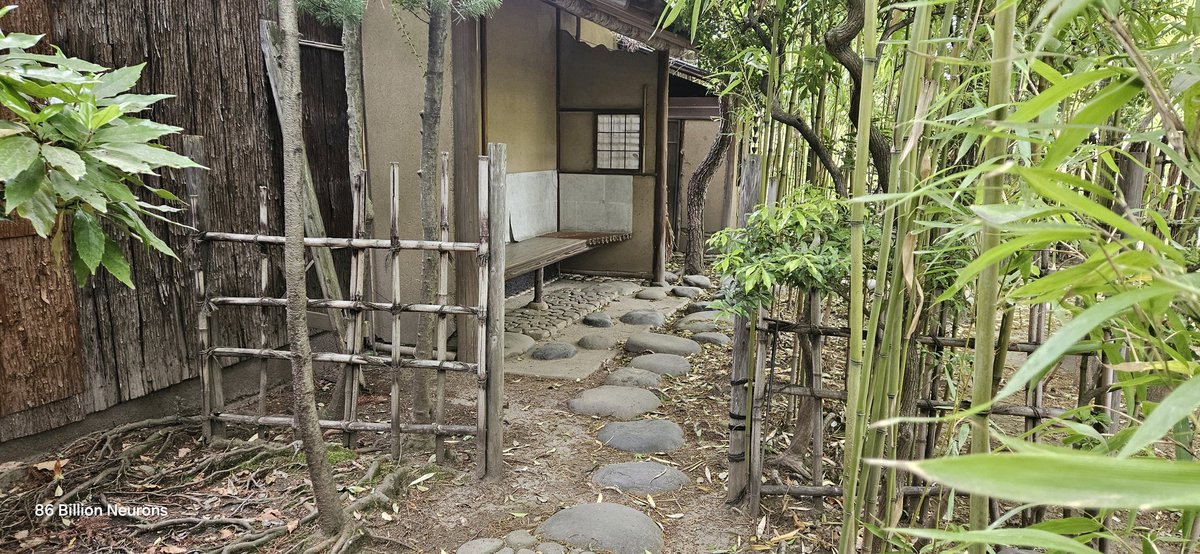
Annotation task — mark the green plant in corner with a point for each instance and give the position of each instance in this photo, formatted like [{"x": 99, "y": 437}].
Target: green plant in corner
[{"x": 74, "y": 155}]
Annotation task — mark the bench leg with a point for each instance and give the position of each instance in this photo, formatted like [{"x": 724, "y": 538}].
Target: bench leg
[{"x": 539, "y": 281}]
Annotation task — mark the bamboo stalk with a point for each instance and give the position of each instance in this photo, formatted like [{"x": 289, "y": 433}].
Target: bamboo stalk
[
  {"x": 443, "y": 286},
  {"x": 397, "y": 291},
  {"x": 264, "y": 280},
  {"x": 353, "y": 426},
  {"x": 359, "y": 267},
  {"x": 335, "y": 357},
  {"x": 347, "y": 305}
]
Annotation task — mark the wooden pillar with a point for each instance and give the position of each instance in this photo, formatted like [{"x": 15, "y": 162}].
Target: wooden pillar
[
  {"x": 466, "y": 91},
  {"x": 660, "y": 169},
  {"x": 496, "y": 229}
]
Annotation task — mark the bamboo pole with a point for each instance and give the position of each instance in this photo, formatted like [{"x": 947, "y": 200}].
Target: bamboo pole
[
  {"x": 354, "y": 426},
  {"x": 264, "y": 280},
  {"x": 347, "y": 305},
  {"x": 327, "y": 242},
  {"x": 356, "y": 321},
  {"x": 493, "y": 221},
  {"x": 397, "y": 332},
  {"x": 339, "y": 358},
  {"x": 443, "y": 286},
  {"x": 211, "y": 385}
]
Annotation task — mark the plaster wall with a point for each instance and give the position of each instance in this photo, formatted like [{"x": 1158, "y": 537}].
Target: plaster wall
[
  {"x": 698, "y": 137},
  {"x": 634, "y": 256},
  {"x": 519, "y": 84}
]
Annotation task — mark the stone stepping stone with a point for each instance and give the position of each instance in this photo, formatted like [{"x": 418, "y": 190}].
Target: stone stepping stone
[
  {"x": 516, "y": 344},
  {"x": 707, "y": 316},
  {"x": 697, "y": 326},
  {"x": 520, "y": 539},
  {"x": 598, "y": 319},
  {"x": 661, "y": 344},
  {"x": 686, "y": 292},
  {"x": 662, "y": 364},
  {"x": 550, "y": 548},
  {"x": 597, "y": 342},
  {"x": 719, "y": 339},
  {"x": 633, "y": 377},
  {"x": 643, "y": 317},
  {"x": 616, "y": 402},
  {"x": 481, "y": 546},
  {"x": 604, "y": 527},
  {"x": 641, "y": 477},
  {"x": 644, "y": 436},
  {"x": 697, "y": 307},
  {"x": 697, "y": 281},
  {"x": 670, "y": 277},
  {"x": 654, "y": 293},
  {"x": 554, "y": 351},
  {"x": 625, "y": 288}
]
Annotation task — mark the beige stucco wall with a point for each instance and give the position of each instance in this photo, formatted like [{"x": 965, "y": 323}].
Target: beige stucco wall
[
  {"x": 519, "y": 84},
  {"x": 633, "y": 256},
  {"x": 698, "y": 136},
  {"x": 394, "y": 53}
]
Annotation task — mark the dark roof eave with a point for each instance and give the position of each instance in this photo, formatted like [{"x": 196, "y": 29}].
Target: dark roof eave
[{"x": 640, "y": 27}]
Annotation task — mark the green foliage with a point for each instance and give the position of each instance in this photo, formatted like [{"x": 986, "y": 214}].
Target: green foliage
[
  {"x": 798, "y": 242},
  {"x": 72, "y": 164}
]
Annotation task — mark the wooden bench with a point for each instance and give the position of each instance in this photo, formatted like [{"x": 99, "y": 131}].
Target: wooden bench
[{"x": 534, "y": 254}]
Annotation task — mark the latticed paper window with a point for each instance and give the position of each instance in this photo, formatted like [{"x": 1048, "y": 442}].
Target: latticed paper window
[{"x": 619, "y": 141}]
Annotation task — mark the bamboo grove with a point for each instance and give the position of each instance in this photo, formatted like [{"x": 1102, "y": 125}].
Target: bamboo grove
[{"x": 987, "y": 170}]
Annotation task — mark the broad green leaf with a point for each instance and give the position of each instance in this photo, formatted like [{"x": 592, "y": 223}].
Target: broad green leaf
[
  {"x": 103, "y": 117},
  {"x": 1101, "y": 107},
  {"x": 20, "y": 41},
  {"x": 88, "y": 240},
  {"x": 9, "y": 128},
  {"x": 1034, "y": 538},
  {"x": 120, "y": 160},
  {"x": 1095, "y": 481},
  {"x": 116, "y": 264},
  {"x": 16, "y": 155},
  {"x": 65, "y": 159},
  {"x": 14, "y": 102},
  {"x": 40, "y": 210},
  {"x": 19, "y": 190},
  {"x": 151, "y": 155},
  {"x": 118, "y": 81},
  {"x": 132, "y": 130},
  {"x": 60, "y": 60},
  {"x": 1176, "y": 407},
  {"x": 129, "y": 103}
]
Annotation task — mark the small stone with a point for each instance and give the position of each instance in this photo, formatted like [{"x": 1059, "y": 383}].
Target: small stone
[
  {"x": 538, "y": 334},
  {"x": 644, "y": 436},
  {"x": 550, "y": 548},
  {"x": 653, "y": 293},
  {"x": 662, "y": 364},
  {"x": 506, "y": 550},
  {"x": 643, "y": 317},
  {"x": 516, "y": 344},
  {"x": 697, "y": 281},
  {"x": 670, "y": 277},
  {"x": 526, "y": 551},
  {"x": 697, "y": 326},
  {"x": 719, "y": 339},
  {"x": 520, "y": 539},
  {"x": 697, "y": 307},
  {"x": 686, "y": 292},
  {"x": 633, "y": 377},
  {"x": 659, "y": 343},
  {"x": 481, "y": 546},
  {"x": 641, "y": 477},
  {"x": 616, "y": 402},
  {"x": 554, "y": 351},
  {"x": 597, "y": 342},
  {"x": 598, "y": 319},
  {"x": 605, "y": 526}
]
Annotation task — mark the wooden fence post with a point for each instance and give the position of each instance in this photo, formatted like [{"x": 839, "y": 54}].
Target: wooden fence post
[
  {"x": 494, "y": 222},
  {"x": 739, "y": 472},
  {"x": 212, "y": 387}
]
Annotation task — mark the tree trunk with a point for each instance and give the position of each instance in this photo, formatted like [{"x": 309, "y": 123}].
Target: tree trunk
[
  {"x": 431, "y": 120},
  {"x": 303, "y": 388},
  {"x": 697, "y": 190}
]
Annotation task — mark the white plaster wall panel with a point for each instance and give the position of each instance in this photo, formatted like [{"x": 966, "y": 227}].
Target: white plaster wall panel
[
  {"x": 596, "y": 203},
  {"x": 532, "y": 204}
]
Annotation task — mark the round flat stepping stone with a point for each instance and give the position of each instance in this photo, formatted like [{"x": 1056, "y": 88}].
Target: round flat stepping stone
[
  {"x": 481, "y": 546},
  {"x": 654, "y": 293},
  {"x": 643, "y": 317},
  {"x": 686, "y": 292},
  {"x": 708, "y": 316},
  {"x": 604, "y": 526},
  {"x": 598, "y": 319},
  {"x": 662, "y": 364},
  {"x": 520, "y": 539},
  {"x": 624, "y": 287},
  {"x": 697, "y": 326},
  {"x": 554, "y": 351},
  {"x": 670, "y": 277},
  {"x": 551, "y": 548},
  {"x": 597, "y": 342},
  {"x": 613, "y": 401},
  {"x": 719, "y": 339},
  {"x": 661, "y": 344},
  {"x": 641, "y": 477},
  {"x": 633, "y": 377},
  {"x": 517, "y": 344},
  {"x": 644, "y": 436},
  {"x": 697, "y": 281},
  {"x": 697, "y": 307}
]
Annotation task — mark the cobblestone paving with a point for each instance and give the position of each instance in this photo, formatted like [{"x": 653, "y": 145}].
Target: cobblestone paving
[{"x": 579, "y": 297}]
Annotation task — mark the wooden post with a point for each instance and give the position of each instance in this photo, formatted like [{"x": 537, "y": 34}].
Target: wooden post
[
  {"x": 211, "y": 384},
  {"x": 397, "y": 336},
  {"x": 739, "y": 472},
  {"x": 813, "y": 368},
  {"x": 757, "y": 408},
  {"x": 493, "y": 224},
  {"x": 443, "y": 289},
  {"x": 359, "y": 267},
  {"x": 467, "y": 105},
  {"x": 661, "y": 227},
  {"x": 539, "y": 284}
]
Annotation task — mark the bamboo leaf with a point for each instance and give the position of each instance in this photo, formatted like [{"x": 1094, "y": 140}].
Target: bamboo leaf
[
  {"x": 1028, "y": 110},
  {"x": 1034, "y": 538},
  {"x": 1037, "y": 478},
  {"x": 1174, "y": 408},
  {"x": 1102, "y": 106},
  {"x": 1006, "y": 249}
]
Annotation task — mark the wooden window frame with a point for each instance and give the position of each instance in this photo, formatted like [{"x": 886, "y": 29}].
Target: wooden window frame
[{"x": 641, "y": 142}]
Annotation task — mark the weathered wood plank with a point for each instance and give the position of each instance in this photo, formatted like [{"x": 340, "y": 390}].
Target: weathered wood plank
[{"x": 528, "y": 255}]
